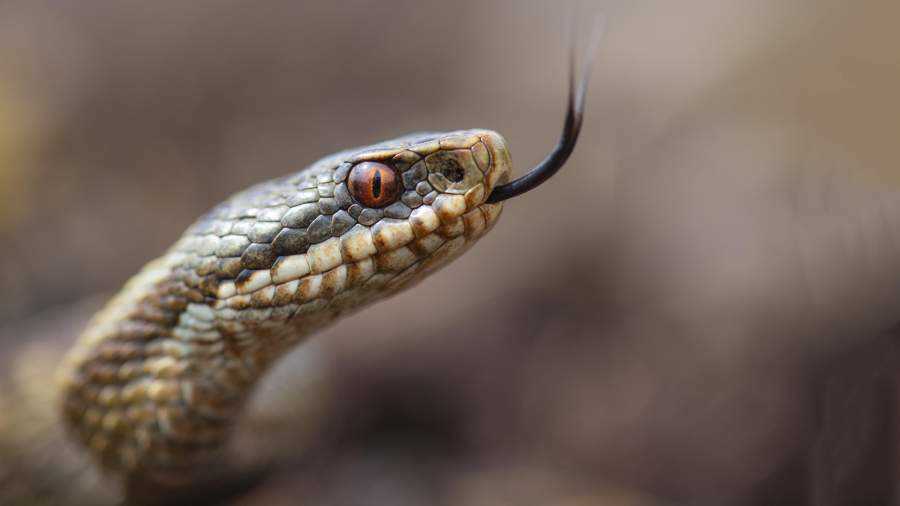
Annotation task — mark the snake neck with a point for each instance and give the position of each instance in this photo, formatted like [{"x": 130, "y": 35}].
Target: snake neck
[
  {"x": 160, "y": 376},
  {"x": 155, "y": 384}
]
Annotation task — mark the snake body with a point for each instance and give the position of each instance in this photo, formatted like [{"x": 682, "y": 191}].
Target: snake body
[{"x": 155, "y": 384}]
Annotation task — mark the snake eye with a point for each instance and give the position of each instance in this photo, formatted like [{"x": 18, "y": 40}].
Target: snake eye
[{"x": 374, "y": 184}]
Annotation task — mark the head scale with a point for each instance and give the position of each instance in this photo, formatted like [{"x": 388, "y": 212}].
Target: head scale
[{"x": 352, "y": 228}]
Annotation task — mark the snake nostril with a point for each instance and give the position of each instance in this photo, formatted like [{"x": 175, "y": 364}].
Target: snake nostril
[{"x": 451, "y": 170}]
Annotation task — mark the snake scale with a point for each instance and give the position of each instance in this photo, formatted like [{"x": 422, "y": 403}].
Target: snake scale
[
  {"x": 156, "y": 381},
  {"x": 153, "y": 387}
]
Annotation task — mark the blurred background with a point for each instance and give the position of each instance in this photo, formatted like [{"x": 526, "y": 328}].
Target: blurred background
[{"x": 698, "y": 310}]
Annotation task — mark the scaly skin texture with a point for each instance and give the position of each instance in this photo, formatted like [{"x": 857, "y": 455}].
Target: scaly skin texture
[{"x": 154, "y": 385}]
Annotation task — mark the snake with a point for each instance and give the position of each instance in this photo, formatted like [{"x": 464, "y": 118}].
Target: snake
[{"x": 153, "y": 387}]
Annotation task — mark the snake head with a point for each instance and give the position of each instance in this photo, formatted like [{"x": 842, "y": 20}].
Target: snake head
[
  {"x": 452, "y": 174},
  {"x": 364, "y": 223},
  {"x": 422, "y": 198},
  {"x": 351, "y": 228},
  {"x": 367, "y": 222}
]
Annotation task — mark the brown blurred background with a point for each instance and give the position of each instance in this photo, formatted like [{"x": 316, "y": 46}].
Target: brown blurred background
[{"x": 698, "y": 310}]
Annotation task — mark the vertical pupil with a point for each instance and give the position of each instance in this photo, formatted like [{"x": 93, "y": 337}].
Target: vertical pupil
[{"x": 376, "y": 184}]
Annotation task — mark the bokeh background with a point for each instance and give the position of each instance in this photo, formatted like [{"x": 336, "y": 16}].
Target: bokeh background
[{"x": 698, "y": 310}]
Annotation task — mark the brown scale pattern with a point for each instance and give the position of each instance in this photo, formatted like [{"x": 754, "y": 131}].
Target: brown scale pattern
[{"x": 154, "y": 385}]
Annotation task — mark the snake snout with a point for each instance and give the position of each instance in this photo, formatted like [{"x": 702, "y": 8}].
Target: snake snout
[{"x": 501, "y": 162}]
